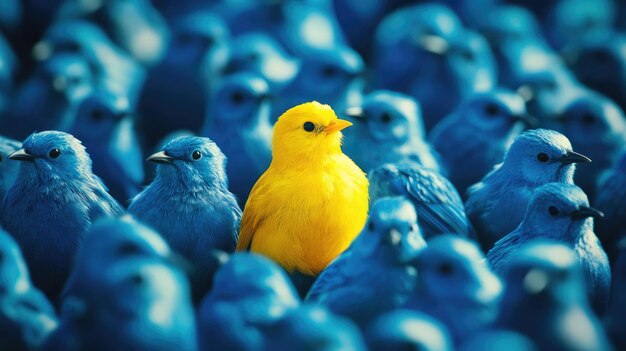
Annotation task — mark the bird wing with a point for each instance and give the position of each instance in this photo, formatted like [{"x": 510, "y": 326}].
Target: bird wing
[
  {"x": 105, "y": 205},
  {"x": 253, "y": 213},
  {"x": 330, "y": 280},
  {"x": 126, "y": 153},
  {"x": 500, "y": 254}
]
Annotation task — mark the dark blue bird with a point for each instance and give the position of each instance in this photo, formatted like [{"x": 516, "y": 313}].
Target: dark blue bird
[
  {"x": 456, "y": 286},
  {"x": 375, "y": 270},
  {"x": 474, "y": 138},
  {"x": 238, "y": 121},
  {"x": 544, "y": 299},
  {"x": 8, "y": 169},
  {"x": 407, "y": 330},
  {"x": 611, "y": 200},
  {"x": 189, "y": 204},
  {"x": 561, "y": 212},
  {"x": 439, "y": 207},
  {"x": 53, "y": 202}
]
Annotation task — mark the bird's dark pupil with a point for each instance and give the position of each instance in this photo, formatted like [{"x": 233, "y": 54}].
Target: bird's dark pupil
[
  {"x": 553, "y": 210},
  {"x": 445, "y": 268},
  {"x": 196, "y": 155},
  {"x": 492, "y": 110},
  {"x": 0, "y": 158},
  {"x": 137, "y": 279},
  {"x": 54, "y": 153},
  {"x": 237, "y": 97},
  {"x": 386, "y": 118},
  {"x": 370, "y": 226},
  {"x": 96, "y": 115},
  {"x": 329, "y": 71},
  {"x": 588, "y": 118},
  {"x": 542, "y": 157},
  {"x": 309, "y": 126}
]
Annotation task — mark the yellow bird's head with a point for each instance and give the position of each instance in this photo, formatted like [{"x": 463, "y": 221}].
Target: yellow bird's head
[{"x": 307, "y": 132}]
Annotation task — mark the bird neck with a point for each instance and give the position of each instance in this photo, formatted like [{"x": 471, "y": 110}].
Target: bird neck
[{"x": 305, "y": 160}]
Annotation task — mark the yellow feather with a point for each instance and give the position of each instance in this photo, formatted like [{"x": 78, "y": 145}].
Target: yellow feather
[{"x": 312, "y": 201}]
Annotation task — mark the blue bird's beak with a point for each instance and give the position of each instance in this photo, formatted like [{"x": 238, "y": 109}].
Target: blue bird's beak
[
  {"x": 21, "y": 155},
  {"x": 586, "y": 212},
  {"x": 161, "y": 157},
  {"x": 573, "y": 157}
]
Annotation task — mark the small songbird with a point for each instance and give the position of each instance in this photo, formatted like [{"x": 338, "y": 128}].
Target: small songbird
[
  {"x": 55, "y": 193},
  {"x": 238, "y": 121},
  {"x": 496, "y": 205},
  {"x": 474, "y": 138},
  {"x": 439, "y": 207},
  {"x": 312, "y": 201},
  {"x": 189, "y": 204},
  {"x": 407, "y": 330},
  {"x": 456, "y": 286},
  {"x": 375, "y": 271},
  {"x": 611, "y": 200},
  {"x": 561, "y": 212},
  {"x": 8, "y": 170},
  {"x": 544, "y": 299},
  {"x": 388, "y": 128}
]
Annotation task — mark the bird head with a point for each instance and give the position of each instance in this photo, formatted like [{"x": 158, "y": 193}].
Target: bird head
[
  {"x": 67, "y": 75},
  {"x": 99, "y": 114},
  {"x": 387, "y": 116},
  {"x": 496, "y": 113},
  {"x": 405, "y": 329},
  {"x": 52, "y": 156},
  {"x": 541, "y": 156},
  {"x": 307, "y": 132},
  {"x": 559, "y": 211},
  {"x": 14, "y": 277},
  {"x": 189, "y": 160},
  {"x": 195, "y": 36},
  {"x": 326, "y": 74},
  {"x": 391, "y": 230},
  {"x": 240, "y": 100},
  {"x": 591, "y": 118}
]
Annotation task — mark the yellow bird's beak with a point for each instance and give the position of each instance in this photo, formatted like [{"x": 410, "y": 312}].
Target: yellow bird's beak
[{"x": 337, "y": 125}]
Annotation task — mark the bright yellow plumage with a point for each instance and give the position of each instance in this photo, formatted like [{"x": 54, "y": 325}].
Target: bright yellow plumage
[{"x": 312, "y": 201}]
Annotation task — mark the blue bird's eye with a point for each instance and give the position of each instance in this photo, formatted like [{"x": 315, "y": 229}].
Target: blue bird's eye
[
  {"x": 97, "y": 115},
  {"x": 588, "y": 118},
  {"x": 543, "y": 158},
  {"x": 54, "y": 153},
  {"x": 445, "y": 268},
  {"x": 491, "y": 110},
  {"x": 386, "y": 118},
  {"x": 553, "y": 211},
  {"x": 370, "y": 226},
  {"x": 309, "y": 126},
  {"x": 196, "y": 155},
  {"x": 237, "y": 97}
]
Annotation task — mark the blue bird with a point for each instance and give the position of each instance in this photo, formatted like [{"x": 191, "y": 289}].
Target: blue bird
[
  {"x": 388, "y": 128},
  {"x": 8, "y": 170},
  {"x": 407, "y": 330},
  {"x": 544, "y": 300},
  {"x": 189, "y": 204},
  {"x": 611, "y": 200},
  {"x": 498, "y": 340},
  {"x": 561, "y": 212},
  {"x": 55, "y": 193},
  {"x": 312, "y": 328},
  {"x": 174, "y": 96},
  {"x": 439, "y": 207},
  {"x": 614, "y": 319},
  {"x": 140, "y": 305},
  {"x": 9, "y": 66},
  {"x": 455, "y": 285},
  {"x": 47, "y": 99},
  {"x": 332, "y": 76},
  {"x": 596, "y": 127},
  {"x": 375, "y": 270},
  {"x": 474, "y": 138},
  {"x": 238, "y": 121},
  {"x": 10, "y": 16},
  {"x": 249, "y": 291},
  {"x": 136, "y": 26},
  {"x": 496, "y": 205},
  {"x": 509, "y": 23},
  {"x": 26, "y": 316},
  {"x": 104, "y": 122}
]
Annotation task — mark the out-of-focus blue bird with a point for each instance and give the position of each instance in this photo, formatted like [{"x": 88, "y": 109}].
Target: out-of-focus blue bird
[
  {"x": 113, "y": 68},
  {"x": 498, "y": 340},
  {"x": 456, "y": 286},
  {"x": 496, "y": 205},
  {"x": 173, "y": 11},
  {"x": 474, "y": 138},
  {"x": 26, "y": 316},
  {"x": 387, "y": 128},
  {"x": 407, "y": 330},
  {"x": 332, "y": 76},
  {"x": 189, "y": 204},
  {"x": 238, "y": 121},
  {"x": 249, "y": 290},
  {"x": 174, "y": 96},
  {"x": 8, "y": 169},
  {"x": 312, "y": 328},
  {"x": 104, "y": 123},
  {"x": 55, "y": 193},
  {"x": 260, "y": 53},
  {"x": 561, "y": 212},
  {"x": 47, "y": 99},
  {"x": 136, "y": 26},
  {"x": 140, "y": 305},
  {"x": 424, "y": 51},
  {"x": 471, "y": 12},
  {"x": 611, "y": 200},
  {"x": 506, "y": 23},
  {"x": 9, "y": 67},
  {"x": 544, "y": 299},
  {"x": 10, "y": 15},
  {"x": 375, "y": 270},
  {"x": 614, "y": 319},
  {"x": 596, "y": 127},
  {"x": 439, "y": 207}
]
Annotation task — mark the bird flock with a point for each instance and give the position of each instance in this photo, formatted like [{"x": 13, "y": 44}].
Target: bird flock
[{"x": 315, "y": 175}]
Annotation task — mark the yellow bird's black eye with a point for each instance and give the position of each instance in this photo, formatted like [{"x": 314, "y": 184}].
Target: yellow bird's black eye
[{"x": 309, "y": 126}]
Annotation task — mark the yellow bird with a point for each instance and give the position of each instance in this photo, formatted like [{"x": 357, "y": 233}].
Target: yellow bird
[{"x": 312, "y": 201}]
